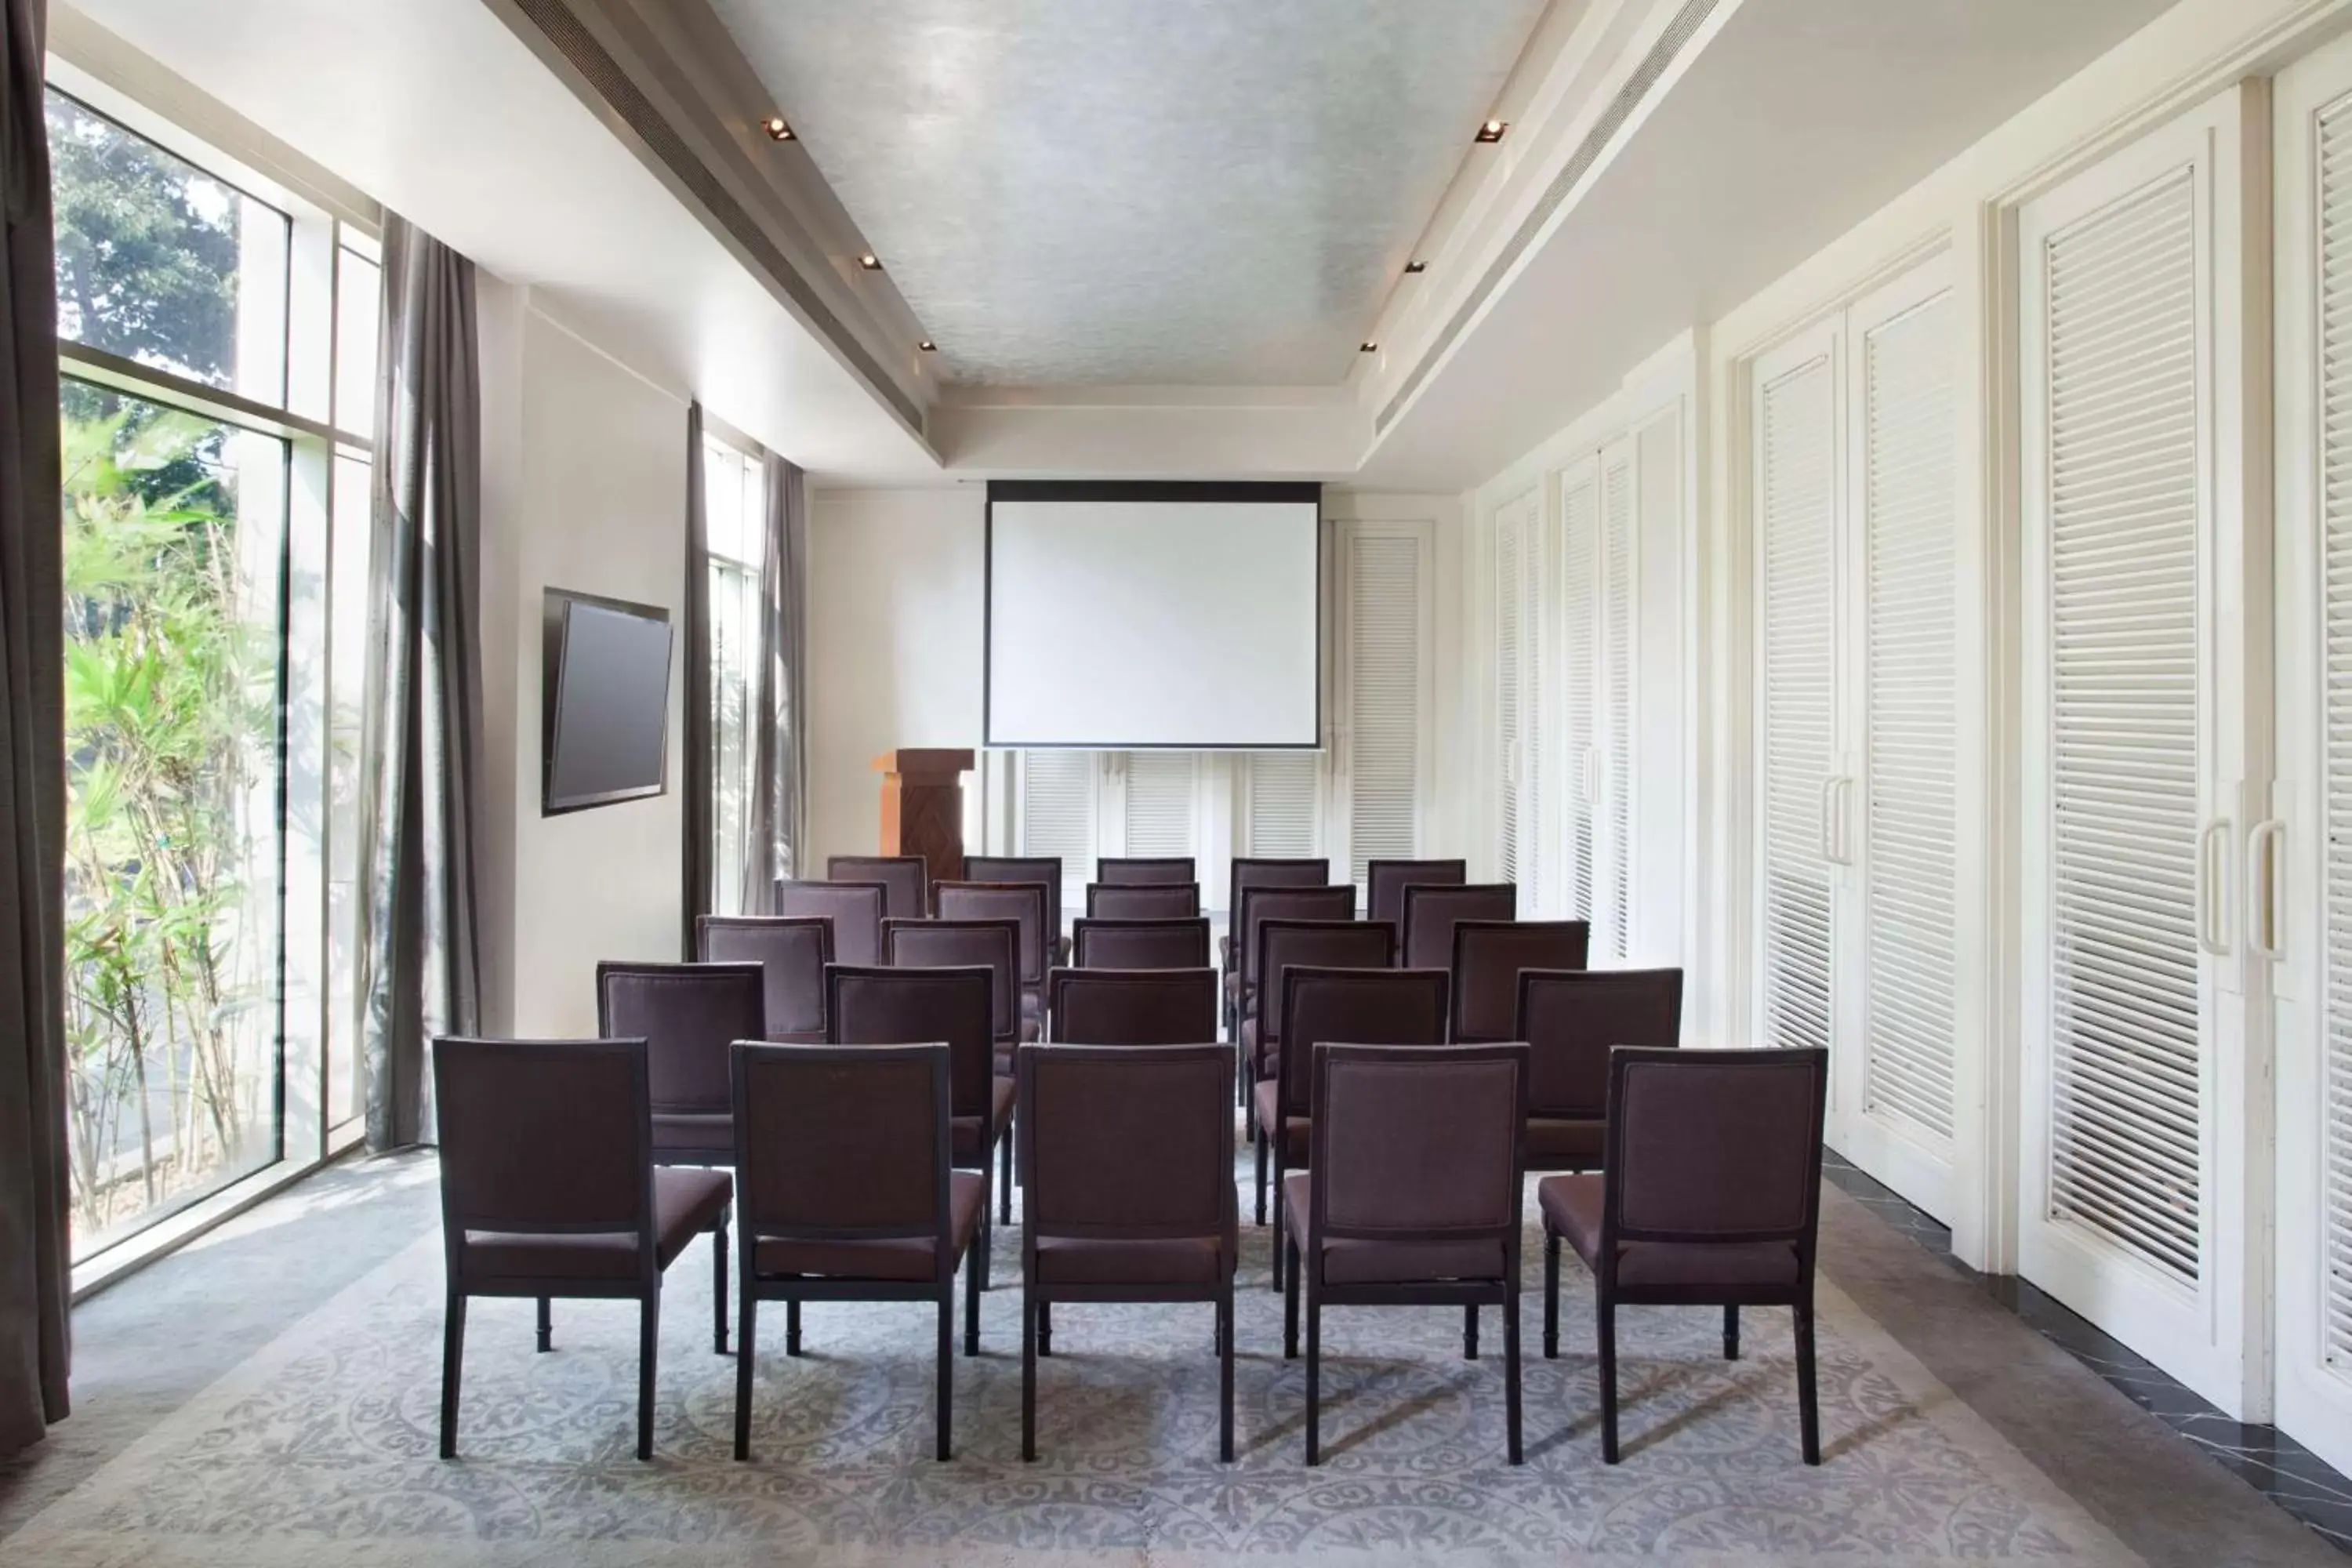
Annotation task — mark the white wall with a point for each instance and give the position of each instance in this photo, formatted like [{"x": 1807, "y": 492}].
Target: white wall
[{"x": 583, "y": 488}]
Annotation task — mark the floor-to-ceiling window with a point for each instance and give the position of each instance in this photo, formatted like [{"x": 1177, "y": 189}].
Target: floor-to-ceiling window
[
  {"x": 735, "y": 511},
  {"x": 218, "y": 346}
]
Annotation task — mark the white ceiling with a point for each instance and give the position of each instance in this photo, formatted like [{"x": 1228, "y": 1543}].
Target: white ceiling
[{"x": 1137, "y": 192}]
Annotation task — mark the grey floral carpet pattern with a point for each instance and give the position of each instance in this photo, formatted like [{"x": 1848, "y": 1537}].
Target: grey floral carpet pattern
[{"x": 321, "y": 1447}]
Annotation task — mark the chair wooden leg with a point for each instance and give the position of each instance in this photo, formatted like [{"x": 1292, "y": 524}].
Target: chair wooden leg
[
  {"x": 1808, "y": 1416},
  {"x": 984, "y": 1244},
  {"x": 1551, "y": 1296},
  {"x": 1280, "y": 1258},
  {"x": 1225, "y": 1373},
  {"x": 1290, "y": 1311},
  {"x": 1731, "y": 1332},
  {"x": 1045, "y": 1328},
  {"x": 971, "y": 1307},
  {"x": 718, "y": 1288},
  {"x": 1260, "y": 1142},
  {"x": 946, "y": 1372},
  {"x": 1470, "y": 1331},
  {"x": 1004, "y": 1179},
  {"x": 546, "y": 1325},
  {"x": 791, "y": 1328},
  {"x": 1604, "y": 1316},
  {"x": 1314, "y": 1380},
  {"x": 1511, "y": 1374},
  {"x": 746, "y": 1334},
  {"x": 1029, "y": 1375},
  {"x": 648, "y": 1346},
  {"x": 453, "y": 1369}
]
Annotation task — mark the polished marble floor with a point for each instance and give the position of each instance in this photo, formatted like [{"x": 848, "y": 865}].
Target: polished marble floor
[{"x": 2291, "y": 1475}]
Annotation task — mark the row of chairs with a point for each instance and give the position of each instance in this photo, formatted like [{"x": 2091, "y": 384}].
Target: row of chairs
[{"x": 844, "y": 1177}]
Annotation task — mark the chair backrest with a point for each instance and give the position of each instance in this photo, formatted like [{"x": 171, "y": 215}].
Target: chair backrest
[
  {"x": 1133, "y": 1006},
  {"x": 1571, "y": 1020},
  {"x": 1715, "y": 1146},
  {"x": 1116, "y": 1142},
  {"x": 687, "y": 1015},
  {"x": 855, "y": 908},
  {"x": 1386, "y": 881},
  {"x": 1316, "y": 944},
  {"x": 922, "y": 1007},
  {"x": 1140, "y": 944},
  {"x": 842, "y": 1143},
  {"x": 1416, "y": 1143},
  {"x": 1024, "y": 903},
  {"x": 1487, "y": 958},
  {"x": 1262, "y": 904},
  {"x": 792, "y": 951},
  {"x": 1353, "y": 1006},
  {"x": 1432, "y": 909},
  {"x": 959, "y": 944},
  {"x": 906, "y": 880},
  {"x": 543, "y": 1137},
  {"x": 1045, "y": 870},
  {"x": 1143, "y": 900},
  {"x": 1248, "y": 871},
  {"x": 1138, "y": 870}
]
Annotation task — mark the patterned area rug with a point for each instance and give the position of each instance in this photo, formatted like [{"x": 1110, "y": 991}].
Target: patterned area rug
[{"x": 321, "y": 1447}]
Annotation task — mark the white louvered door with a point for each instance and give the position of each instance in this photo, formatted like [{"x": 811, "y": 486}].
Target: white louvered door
[
  {"x": 1381, "y": 753},
  {"x": 1795, "y": 508},
  {"x": 1612, "y": 910},
  {"x": 1516, "y": 528},
  {"x": 1156, "y": 794},
  {"x": 1580, "y": 683},
  {"x": 2300, "y": 863},
  {"x": 1281, "y": 802},
  {"x": 2135, "y": 719},
  {"x": 1058, "y": 802}
]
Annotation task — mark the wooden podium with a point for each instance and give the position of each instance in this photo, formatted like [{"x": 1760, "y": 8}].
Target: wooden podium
[{"x": 922, "y": 807}]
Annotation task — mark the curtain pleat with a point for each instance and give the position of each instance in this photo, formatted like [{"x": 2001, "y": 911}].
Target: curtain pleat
[
  {"x": 697, "y": 863},
  {"x": 779, "y": 760},
  {"x": 35, "y": 1276},
  {"x": 421, "y": 744}
]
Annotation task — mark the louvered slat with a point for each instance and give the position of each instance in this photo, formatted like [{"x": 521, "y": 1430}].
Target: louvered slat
[
  {"x": 2334, "y": 195},
  {"x": 1160, "y": 792},
  {"x": 1794, "y": 496},
  {"x": 1907, "y": 870},
  {"x": 2122, "y": 436},
  {"x": 1282, "y": 788},
  {"x": 1384, "y": 698},
  {"x": 1511, "y": 539},
  {"x": 1615, "y": 910},
  {"x": 1057, "y": 805},
  {"x": 1579, "y": 510}
]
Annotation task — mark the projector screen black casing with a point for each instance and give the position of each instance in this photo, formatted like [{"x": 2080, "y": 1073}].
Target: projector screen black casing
[
  {"x": 556, "y": 665},
  {"x": 1307, "y": 493}
]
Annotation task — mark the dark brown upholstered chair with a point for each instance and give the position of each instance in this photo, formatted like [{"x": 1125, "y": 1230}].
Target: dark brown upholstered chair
[
  {"x": 1243, "y": 873},
  {"x": 1386, "y": 881},
  {"x": 792, "y": 953},
  {"x": 549, "y": 1188},
  {"x": 1571, "y": 1020},
  {"x": 1021, "y": 902},
  {"x": 1411, "y": 1197},
  {"x": 1431, "y": 910},
  {"x": 1127, "y": 1185},
  {"x": 1133, "y": 1006},
  {"x": 1160, "y": 870},
  {"x": 1143, "y": 900},
  {"x": 855, "y": 910},
  {"x": 1311, "y": 944},
  {"x": 919, "y": 1007},
  {"x": 907, "y": 879},
  {"x": 1713, "y": 1196},
  {"x": 1262, "y": 904},
  {"x": 687, "y": 1015},
  {"x": 1355, "y": 1006},
  {"x": 1045, "y": 870},
  {"x": 1487, "y": 958},
  {"x": 1140, "y": 944},
  {"x": 849, "y": 1195},
  {"x": 958, "y": 944}
]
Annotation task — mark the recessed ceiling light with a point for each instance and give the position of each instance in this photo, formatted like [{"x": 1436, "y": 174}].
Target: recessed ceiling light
[
  {"x": 1369, "y": 346},
  {"x": 928, "y": 346},
  {"x": 871, "y": 262},
  {"x": 1493, "y": 131},
  {"x": 777, "y": 128},
  {"x": 1416, "y": 267}
]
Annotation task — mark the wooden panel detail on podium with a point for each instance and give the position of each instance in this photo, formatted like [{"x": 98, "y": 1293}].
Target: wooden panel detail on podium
[{"x": 922, "y": 807}]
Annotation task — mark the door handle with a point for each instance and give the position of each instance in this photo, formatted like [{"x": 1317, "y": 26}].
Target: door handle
[
  {"x": 1829, "y": 796},
  {"x": 2208, "y": 905},
  {"x": 1591, "y": 774},
  {"x": 2265, "y": 922},
  {"x": 1846, "y": 819}
]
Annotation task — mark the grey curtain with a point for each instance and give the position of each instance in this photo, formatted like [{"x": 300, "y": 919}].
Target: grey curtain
[
  {"x": 780, "y": 807},
  {"x": 34, "y": 1276},
  {"x": 422, "y": 743},
  {"x": 699, "y": 871}
]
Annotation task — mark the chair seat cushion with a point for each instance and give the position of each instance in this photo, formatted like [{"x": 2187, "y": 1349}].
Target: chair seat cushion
[
  {"x": 1571, "y": 1209},
  {"x": 1267, "y": 1097},
  {"x": 968, "y": 1143},
  {"x": 1561, "y": 1141},
  {"x": 899, "y": 1258},
  {"x": 1029, "y": 1029},
  {"x": 687, "y": 1201},
  {"x": 1351, "y": 1261},
  {"x": 693, "y": 1134},
  {"x": 1088, "y": 1260}
]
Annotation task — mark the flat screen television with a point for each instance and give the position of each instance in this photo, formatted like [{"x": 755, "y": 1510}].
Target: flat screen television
[{"x": 605, "y": 702}]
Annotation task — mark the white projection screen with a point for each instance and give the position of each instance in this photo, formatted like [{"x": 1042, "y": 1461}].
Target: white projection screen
[{"x": 1129, "y": 617}]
